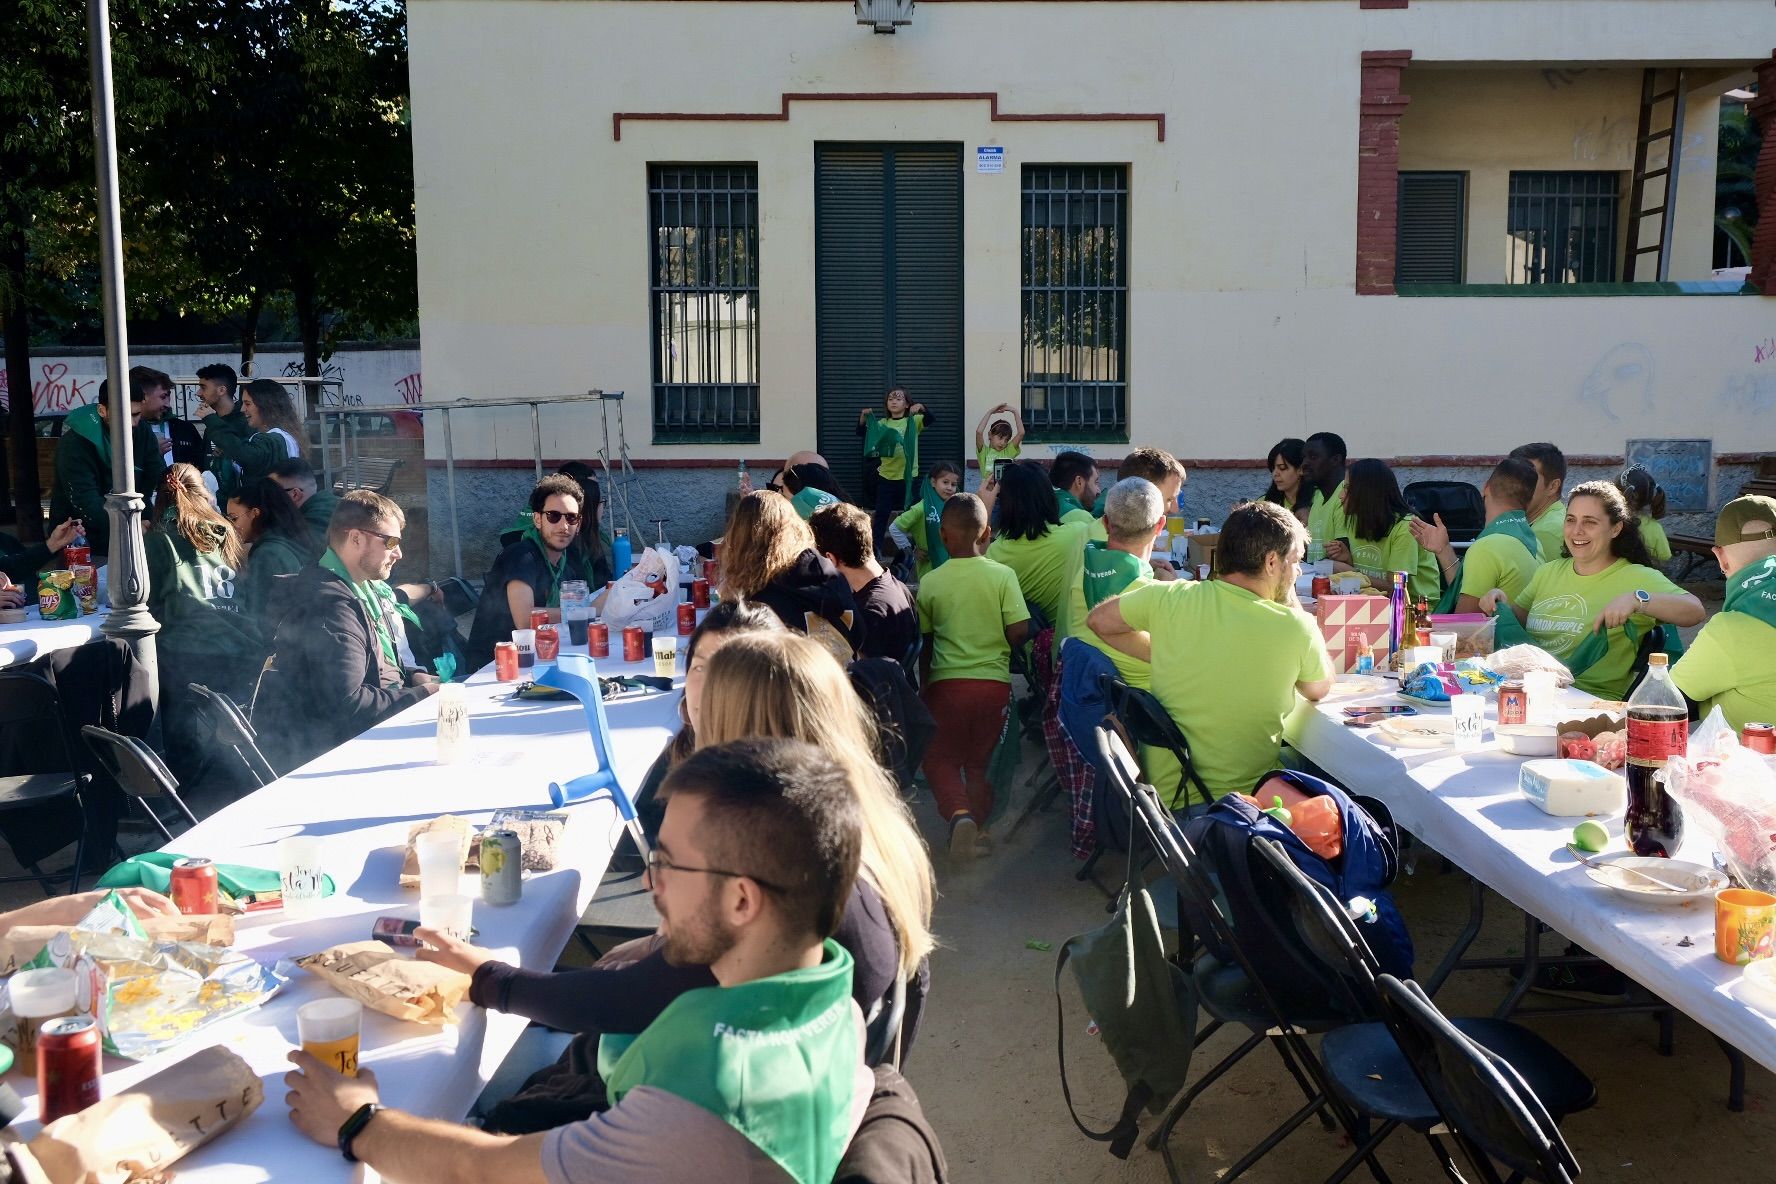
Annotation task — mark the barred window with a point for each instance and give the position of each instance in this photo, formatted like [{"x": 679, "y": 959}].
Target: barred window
[
  {"x": 1075, "y": 302},
  {"x": 1561, "y": 228},
  {"x": 703, "y": 289}
]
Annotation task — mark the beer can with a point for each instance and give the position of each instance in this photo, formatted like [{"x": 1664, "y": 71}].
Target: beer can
[
  {"x": 77, "y": 556},
  {"x": 502, "y": 867},
  {"x": 1759, "y": 737},
  {"x": 598, "y": 640},
  {"x": 1322, "y": 586},
  {"x": 505, "y": 661},
  {"x": 195, "y": 890},
  {"x": 68, "y": 1066},
  {"x": 700, "y": 593},
  {"x": 548, "y": 643},
  {"x": 710, "y": 574},
  {"x": 634, "y": 644},
  {"x": 1513, "y": 704},
  {"x": 539, "y": 617},
  {"x": 687, "y": 618}
]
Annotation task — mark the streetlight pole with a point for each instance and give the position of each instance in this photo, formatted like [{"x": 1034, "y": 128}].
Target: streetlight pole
[{"x": 126, "y": 579}]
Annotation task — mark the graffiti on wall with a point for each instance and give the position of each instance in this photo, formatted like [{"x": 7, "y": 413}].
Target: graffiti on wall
[
  {"x": 410, "y": 388},
  {"x": 56, "y": 390}
]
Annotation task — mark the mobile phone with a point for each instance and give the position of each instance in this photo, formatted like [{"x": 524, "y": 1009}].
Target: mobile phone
[
  {"x": 1381, "y": 709},
  {"x": 999, "y": 468}
]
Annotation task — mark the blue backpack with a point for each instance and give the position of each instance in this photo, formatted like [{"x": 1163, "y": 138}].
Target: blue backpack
[{"x": 1222, "y": 836}]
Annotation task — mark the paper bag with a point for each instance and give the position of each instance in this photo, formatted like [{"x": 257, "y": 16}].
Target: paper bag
[
  {"x": 385, "y": 981},
  {"x": 1347, "y": 622},
  {"x": 137, "y": 1134}
]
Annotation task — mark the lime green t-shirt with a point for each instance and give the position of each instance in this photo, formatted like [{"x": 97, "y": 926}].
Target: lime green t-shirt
[
  {"x": 966, "y": 606},
  {"x": 1043, "y": 565},
  {"x": 1225, "y": 665},
  {"x": 1550, "y": 531},
  {"x": 1101, "y": 574},
  {"x": 1399, "y": 551},
  {"x": 918, "y": 530},
  {"x": 1657, "y": 544},
  {"x": 1731, "y": 665},
  {"x": 1498, "y": 561},
  {"x": 1325, "y": 516},
  {"x": 1562, "y": 604},
  {"x": 893, "y": 468},
  {"x": 987, "y": 455}
]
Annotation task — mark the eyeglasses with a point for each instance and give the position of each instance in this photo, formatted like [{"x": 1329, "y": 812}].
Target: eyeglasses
[
  {"x": 389, "y": 541},
  {"x": 555, "y": 516},
  {"x": 656, "y": 863}
]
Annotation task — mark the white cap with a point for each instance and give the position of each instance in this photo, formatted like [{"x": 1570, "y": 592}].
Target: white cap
[{"x": 38, "y": 993}]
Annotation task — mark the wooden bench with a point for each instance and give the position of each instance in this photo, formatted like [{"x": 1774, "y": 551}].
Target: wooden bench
[
  {"x": 367, "y": 472},
  {"x": 1698, "y": 547}
]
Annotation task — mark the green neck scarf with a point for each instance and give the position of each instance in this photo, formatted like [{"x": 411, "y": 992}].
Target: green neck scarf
[
  {"x": 572, "y": 561},
  {"x": 1108, "y": 572},
  {"x": 936, "y": 553},
  {"x": 1512, "y": 522},
  {"x": 879, "y": 440},
  {"x": 379, "y": 600},
  {"x": 775, "y": 1059},
  {"x": 1069, "y": 503},
  {"x": 1750, "y": 591}
]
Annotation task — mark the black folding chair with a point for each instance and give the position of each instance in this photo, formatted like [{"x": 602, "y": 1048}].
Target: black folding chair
[
  {"x": 881, "y": 1027},
  {"x": 29, "y": 703},
  {"x": 139, "y": 772},
  {"x": 1147, "y": 722},
  {"x": 233, "y": 729},
  {"x": 1458, "y": 503}
]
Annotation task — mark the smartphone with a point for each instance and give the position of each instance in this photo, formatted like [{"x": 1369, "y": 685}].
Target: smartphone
[
  {"x": 1402, "y": 709},
  {"x": 999, "y": 468}
]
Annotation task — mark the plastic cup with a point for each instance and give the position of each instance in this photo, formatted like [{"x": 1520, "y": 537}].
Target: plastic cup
[
  {"x": 329, "y": 1030},
  {"x": 1446, "y": 643},
  {"x": 1417, "y": 655},
  {"x": 1468, "y": 714},
  {"x": 1542, "y": 688},
  {"x": 440, "y": 862},
  {"x": 1743, "y": 922},
  {"x": 451, "y": 913},
  {"x": 666, "y": 655},
  {"x": 525, "y": 642},
  {"x": 299, "y": 875}
]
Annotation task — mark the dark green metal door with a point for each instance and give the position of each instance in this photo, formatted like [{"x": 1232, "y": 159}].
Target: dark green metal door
[{"x": 887, "y": 292}]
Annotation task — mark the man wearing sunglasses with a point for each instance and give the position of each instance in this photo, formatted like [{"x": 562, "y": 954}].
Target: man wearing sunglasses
[
  {"x": 338, "y": 664},
  {"x": 529, "y": 573}
]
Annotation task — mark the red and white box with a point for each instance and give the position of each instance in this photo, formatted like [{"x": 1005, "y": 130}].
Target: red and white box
[{"x": 1347, "y": 622}]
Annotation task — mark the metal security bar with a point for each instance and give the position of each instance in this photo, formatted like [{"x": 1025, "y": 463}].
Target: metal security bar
[
  {"x": 1075, "y": 301},
  {"x": 703, "y": 289},
  {"x": 1562, "y": 228}
]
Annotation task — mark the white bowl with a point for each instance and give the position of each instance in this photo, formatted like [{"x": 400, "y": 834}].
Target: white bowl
[{"x": 1528, "y": 739}]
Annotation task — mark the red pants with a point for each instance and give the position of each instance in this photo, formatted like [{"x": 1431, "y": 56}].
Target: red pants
[{"x": 970, "y": 714}]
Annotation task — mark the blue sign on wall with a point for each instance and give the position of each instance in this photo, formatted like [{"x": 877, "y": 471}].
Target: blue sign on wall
[{"x": 1683, "y": 468}]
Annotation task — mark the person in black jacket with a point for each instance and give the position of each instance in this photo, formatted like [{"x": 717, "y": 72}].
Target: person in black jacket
[
  {"x": 83, "y": 462},
  {"x": 529, "y": 573},
  {"x": 180, "y": 442},
  {"x": 887, "y": 622},
  {"x": 768, "y": 557},
  {"x": 336, "y": 666}
]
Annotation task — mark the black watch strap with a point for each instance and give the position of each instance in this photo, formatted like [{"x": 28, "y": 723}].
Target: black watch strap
[{"x": 354, "y": 1126}]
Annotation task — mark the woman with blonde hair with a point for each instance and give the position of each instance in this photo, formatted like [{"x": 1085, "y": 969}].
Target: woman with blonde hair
[{"x": 768, "y": 556}]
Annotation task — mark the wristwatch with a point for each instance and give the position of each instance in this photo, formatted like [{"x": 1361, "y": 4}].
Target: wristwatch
[
  {"x": 1642, "y": 595},
  {"x": 354, "y": 1126}
]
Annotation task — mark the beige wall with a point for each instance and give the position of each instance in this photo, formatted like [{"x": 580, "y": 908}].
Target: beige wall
[{"x": 1243, "y": 323}]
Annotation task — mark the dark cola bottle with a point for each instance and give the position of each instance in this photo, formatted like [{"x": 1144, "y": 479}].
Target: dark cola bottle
[{"x": 1658, "y": 729}]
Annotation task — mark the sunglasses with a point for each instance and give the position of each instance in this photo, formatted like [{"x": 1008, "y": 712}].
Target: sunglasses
[
  {"x": 389, "y": 541},
  {"x": 556, "y": 516}
]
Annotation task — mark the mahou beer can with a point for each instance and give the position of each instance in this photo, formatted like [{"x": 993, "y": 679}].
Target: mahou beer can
[
  {"x": 195, "y": 891},
  {"x": 1513, "y": 704},
  {"x": 711, "y": 573},
  {"x": 67, "y": 1066},
  {"x": 1759, "y": 737},
  {"x": 687, "y": 618},
  {"x": 634, "y": 644},
  {"x": 505, "y": 661},
  {"x": 700, "y": 593},
  {"x": 548, "y": 643},
  {"x": 598, "y": 640},
  {"x": 539, "y": 617},
  {"x": 502, "y": 867}
]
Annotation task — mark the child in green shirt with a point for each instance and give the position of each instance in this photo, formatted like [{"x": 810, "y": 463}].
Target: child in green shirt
[
  {"x": 893, "y": 438},
  {"x": 918, "y": 530},
  {"x": 997, "y": 438}
]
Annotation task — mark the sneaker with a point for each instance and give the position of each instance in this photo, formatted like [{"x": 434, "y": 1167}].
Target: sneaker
[
  {"x": 1595, "y": 984},
  {"x": 964, "y": 838}
]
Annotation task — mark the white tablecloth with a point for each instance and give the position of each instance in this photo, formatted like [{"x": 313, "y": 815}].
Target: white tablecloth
[
  {"x": 1466, "y": 806},
  {"x": 361, "y": 798},
  {"x": 33, "y": 637}
]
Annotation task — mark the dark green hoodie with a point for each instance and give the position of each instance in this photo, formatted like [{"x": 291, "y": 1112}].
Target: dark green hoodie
[
  {"x": 198, "y": 600},
  {"x": 317, "y": 511},
  {"x": 83, "y": 473},
  {"x": 234, "y": 426}
]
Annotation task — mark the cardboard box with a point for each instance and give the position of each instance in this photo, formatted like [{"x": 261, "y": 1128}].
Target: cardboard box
[
  {"x": 1202, "y": 548},
  {"x": 1346, "y": 622}
]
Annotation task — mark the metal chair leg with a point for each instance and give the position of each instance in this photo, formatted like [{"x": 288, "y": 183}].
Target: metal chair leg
[{"x": 1735, "y": 1076}]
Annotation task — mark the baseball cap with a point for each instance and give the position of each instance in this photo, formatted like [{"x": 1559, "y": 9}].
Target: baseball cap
[{"x": 1745, "y": 519}]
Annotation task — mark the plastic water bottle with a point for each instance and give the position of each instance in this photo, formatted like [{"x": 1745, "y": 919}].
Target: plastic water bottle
[
  {"x": 742, "y": 479},
  {"x": 622, "y": 557}
]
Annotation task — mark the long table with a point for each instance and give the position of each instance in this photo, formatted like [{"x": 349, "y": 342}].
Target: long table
[
  {"x": 361, "y": 799},
  {"x": 1466, "y": 806}
]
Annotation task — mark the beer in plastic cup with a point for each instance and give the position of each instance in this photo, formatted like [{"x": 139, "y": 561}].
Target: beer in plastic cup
[
  {"x": 329, "y": 1030},
  {"x": 666, "y": 655}
]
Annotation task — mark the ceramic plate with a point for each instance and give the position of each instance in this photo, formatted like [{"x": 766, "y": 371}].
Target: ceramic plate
[
  {"x": 1697, "y": 882},
  {"x": 1418, "y": 731}
]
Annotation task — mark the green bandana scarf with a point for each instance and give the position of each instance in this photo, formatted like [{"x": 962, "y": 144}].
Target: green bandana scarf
[
  {"x": 1751, "y": 591},
  {"x": 1069, "y": 503},
  {"x": 559, "y": 570},
  {"x": 379, "y": 601},
  {"x": 1108, "y": 573},
  {"x": 880, "y": 440},
  {"x": 774, "y": 1059},
  {"x": 1512, "y": 522},
  {"x": 936, "y": 553}
]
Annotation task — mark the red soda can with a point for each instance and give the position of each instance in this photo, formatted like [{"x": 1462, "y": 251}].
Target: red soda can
[
  {"x": 687, "y": 618},
  {"x": 505, "y": 661},
  {"x": 1322, "y": 586},
  {"x": 634, "y": 644},
  {"x": 700, "y": 593},
  {"x": 539, "y": 617},
  {"x": 78, "y": 555},
  {"x": 598, "y": 640},
  {"x": 195, "y": 891},
  {"x": 67, "y": 1066},
  {"x": 710, "y": 574},
  {"x": 1759, "y": 737},
  {"x": 1513, "y": 704},
  {"x": 548, "y": 643}
]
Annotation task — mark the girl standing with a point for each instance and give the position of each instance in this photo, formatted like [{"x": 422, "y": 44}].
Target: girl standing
[{"x": 893, "y": 438}]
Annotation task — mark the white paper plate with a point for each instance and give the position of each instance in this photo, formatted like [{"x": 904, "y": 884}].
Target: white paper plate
[
  {"x": 1703, "y": 882},
  {"x": 1418, "y": 731},
  {"x": 1355, "y": 686}
]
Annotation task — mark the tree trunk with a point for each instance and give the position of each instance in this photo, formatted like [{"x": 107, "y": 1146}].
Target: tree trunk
[
  {"x": 15, "y": 322},
  {"x": 308, "y": 321},
  {"x": 249, "y": 338}
]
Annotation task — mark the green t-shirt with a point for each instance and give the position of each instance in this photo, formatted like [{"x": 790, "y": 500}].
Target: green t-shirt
[
  {"x": 1325, "y": 516},
  {"x": 1101, "y": 574},
  {"x": 966, "y": 606},
  {"x": 1399, "y": 551},
  {"x": 1562, "y": 604},
  {"x": 1497, "y": 561},
  {"x": 1550, "y": 531},
  {"x": 987, "y": 455},
  {"x": 1225, "y": 665},
  {"x": 1731, "y": 665},
  {"x": 1657, "y": 545},
  {"x": 893, "y": 468},
  {"x": 1043, "y": 565},
  {"x": 919, "y": 529}
]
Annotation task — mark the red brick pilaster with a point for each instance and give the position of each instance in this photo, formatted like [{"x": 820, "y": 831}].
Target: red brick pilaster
[
  {"x": 1763, "y": 242},
  {"x": 1384, "y": 4},
  {"x": 1378, "y": 169}
]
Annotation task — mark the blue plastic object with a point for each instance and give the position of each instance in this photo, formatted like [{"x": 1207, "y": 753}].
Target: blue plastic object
[
  {"x": 577, "y": 674},
  {"x": 622, "y": 555}
]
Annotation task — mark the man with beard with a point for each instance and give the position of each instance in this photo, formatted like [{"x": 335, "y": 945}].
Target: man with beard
[
  {"x": 1322, "y": 469},
  {"x": 760, "y": 1078},
  {"x": 529, "y": 573}
]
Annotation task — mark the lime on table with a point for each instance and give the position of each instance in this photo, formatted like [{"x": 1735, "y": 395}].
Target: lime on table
[{"x": 1590, "y": 836}]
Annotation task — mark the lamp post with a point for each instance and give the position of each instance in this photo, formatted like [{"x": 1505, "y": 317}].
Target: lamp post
[{"x": 127, "y": 577}]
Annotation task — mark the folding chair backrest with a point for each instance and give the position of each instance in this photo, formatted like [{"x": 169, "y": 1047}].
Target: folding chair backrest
[
  {"x": 1488, "y": 1108},
  {"x": 1147, "y": 722},
  {"x": 233, "y": 729},
  {"x": 29, "y": 700},
  {"x": 1321, "y": 927},
  {"x": 881, "y": 1029},
  {"x": 135, "y": 767}
]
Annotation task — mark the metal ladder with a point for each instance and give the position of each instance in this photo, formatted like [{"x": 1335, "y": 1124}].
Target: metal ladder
[
  {"x": 619, "y": 483},
  {"x": 1650, "y": 97}
]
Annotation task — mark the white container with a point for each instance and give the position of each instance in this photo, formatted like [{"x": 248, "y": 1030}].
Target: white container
[
  {"x": 1569, "y": 788},
  {"x": 1528, "y": 739},
  {"x": 453, "y": 722},
  {"x": 300, "y": 875},
  {"x": 440, "y": 862},
  {"x": 452, "y": 913},
  {"x": 1468, "y": 713}
]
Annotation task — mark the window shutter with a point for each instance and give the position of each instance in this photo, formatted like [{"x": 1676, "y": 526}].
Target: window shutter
[{"x": 1432, "y": 228}]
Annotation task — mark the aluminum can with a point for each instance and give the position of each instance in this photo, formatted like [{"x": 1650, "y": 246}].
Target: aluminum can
[
  {"x": 68, "y": 1066},
  {"x": 700, "y": 593},
  {"x": 1513, "y": 707},
  {"x": 195, "y": 890},
  {"x": 548, "y": 643},
  {"x": 502, "y": 867},
  {"x": 505, "y": 661},
  {"x": 77, "y": 556},
  {"x": 710, "y": 574},
  {"x": 1322, "y": 586},
  {"x": 598, "y": 640},
  {"x": 1759, "y": 737},
  {"x": 687, "y": 619},
  {"x": 539, "y": 617},
  {"x": 634, "y": 644}
]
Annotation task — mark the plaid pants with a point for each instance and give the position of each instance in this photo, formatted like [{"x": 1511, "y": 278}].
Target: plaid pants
[{"x": 1076, "y": 773}]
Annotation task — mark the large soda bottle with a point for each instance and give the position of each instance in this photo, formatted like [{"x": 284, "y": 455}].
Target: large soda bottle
[{"x": 1658, "y": 729}]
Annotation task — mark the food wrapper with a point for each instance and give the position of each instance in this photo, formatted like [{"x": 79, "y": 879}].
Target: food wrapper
[
  {"x": 132, "y": 1137},
  {"x": 1731, "y": 795},
  {"x": 1430, "y": 681},
  {"x": 1515, "y": 661},
  {"x": 56, "y": 598},
  {"x": 385, "y": 981},
  {"x": 471, "y": 845},
  {"x": 24, "y": 942},
  {"x": 540, "y": 833}
]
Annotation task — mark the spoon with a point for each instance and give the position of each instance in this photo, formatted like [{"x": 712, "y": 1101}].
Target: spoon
[{"x": 1585, "y": 859}]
